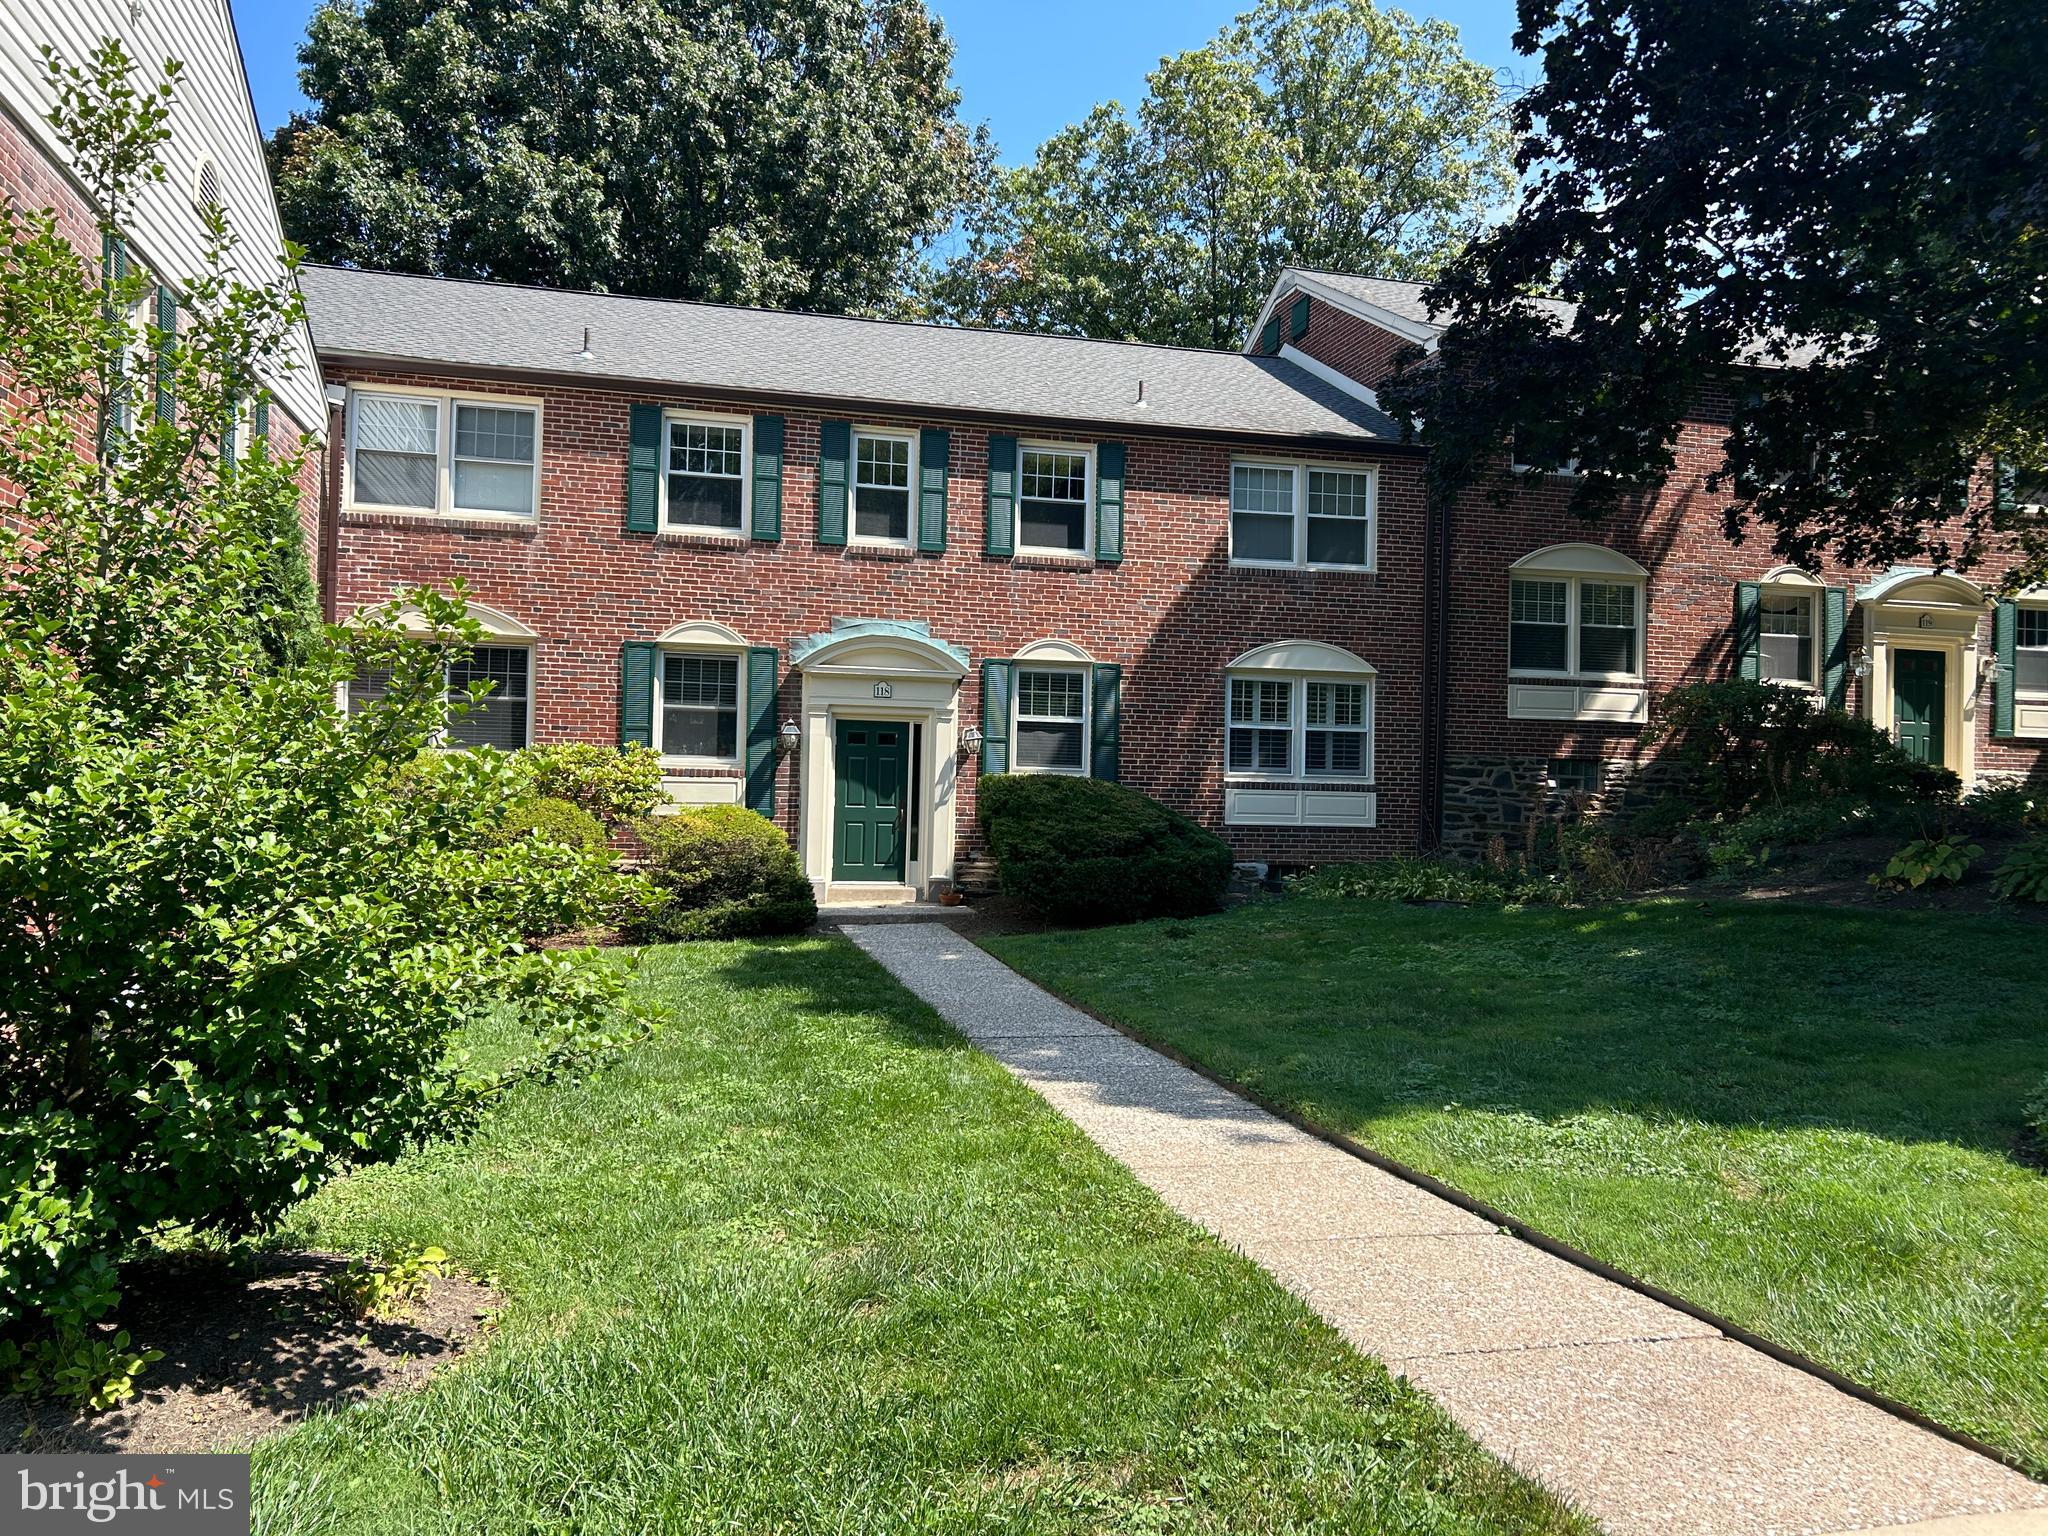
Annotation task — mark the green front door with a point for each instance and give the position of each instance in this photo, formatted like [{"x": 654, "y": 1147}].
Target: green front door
[
  {"x": 867, "y": 821},
  {"x": 1919, "y": 702}
]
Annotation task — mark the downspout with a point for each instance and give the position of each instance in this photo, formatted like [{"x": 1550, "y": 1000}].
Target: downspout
[{"x": 1436, "y": 662}]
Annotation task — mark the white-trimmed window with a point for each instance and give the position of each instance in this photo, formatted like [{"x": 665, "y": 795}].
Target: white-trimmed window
[
  {"x": 1261, "y": 726},
  {"x": 700, "y": 707},
  {"x": 1319, "y": 516},
  {"x": 704, "y": 484},
  {"x": 1055, "y": 483},
  {"x": 2030, "y": 651},
  {"x": 1576, "y": 610},
  {"x": 1788, "y": 623},
  {"x": 502, "y": 718},
  {"x": 417, "y": 451},
  {"x": 1299, "y": 727},
  {"x": 1334, "y": 736},
  {"x": 884, "y": 469},
  {"x": 1050, "y": 732}
]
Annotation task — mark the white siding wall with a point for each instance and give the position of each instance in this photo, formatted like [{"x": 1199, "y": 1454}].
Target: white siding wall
[{"x": 211, "y": 115}]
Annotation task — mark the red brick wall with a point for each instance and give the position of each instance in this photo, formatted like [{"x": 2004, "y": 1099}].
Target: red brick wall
[
  {"x": 1172, "y": 614},
  {"x": 1354, "y": 347}
]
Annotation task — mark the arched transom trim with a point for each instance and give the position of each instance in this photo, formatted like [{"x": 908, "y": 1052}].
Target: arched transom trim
[
  {"x": 1053, "y": 650},
  {"x": 496, "y": 622},
  {"x": 1579, "y": 560},
  {"x": 703, "y": 632},
  {"x": 1790, "y": 576},
  {"x": 1303, "y": 656}
]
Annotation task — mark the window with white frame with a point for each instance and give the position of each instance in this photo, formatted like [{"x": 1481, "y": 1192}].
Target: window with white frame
[
  {"x": 1050, "y": 734},
  {"x": 1052, "y": 500},
  {"x": 1575, "y": 626},
  {"x": 1787, "y": 620},
  {"x": 706, "y": 481},
  {"x": 417, "y": 452},
  {"x": 2030, "y": 651},
  {"x": 501, "y": 718},
  {"x": 882, "y": 474},
  {"x": 1298, "y": 727},
  {"x": 700, "y": 706},
  {"x": 1301, "y": 514}
]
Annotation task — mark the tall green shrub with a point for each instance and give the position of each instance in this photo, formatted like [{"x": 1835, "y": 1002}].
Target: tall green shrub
[
  {"x": 241, "y": 933},
  {"x": 1091, "y": 851},
  {"x": 721, "y": 872}
]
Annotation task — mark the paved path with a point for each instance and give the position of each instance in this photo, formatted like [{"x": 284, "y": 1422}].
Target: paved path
[{"x": 1647, "y": 1419}]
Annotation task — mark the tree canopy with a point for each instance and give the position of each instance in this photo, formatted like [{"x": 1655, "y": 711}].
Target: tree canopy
[
  {"x": 1833, "y": 218},
  {"x": 1324, "y": 133},
  {"x": 795, "y": 154}
]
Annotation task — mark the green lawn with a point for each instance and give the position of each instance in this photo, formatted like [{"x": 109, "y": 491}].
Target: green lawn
[
  {"x": 808, "y": 1263},
  {"x": 1800, "y": 1118}
]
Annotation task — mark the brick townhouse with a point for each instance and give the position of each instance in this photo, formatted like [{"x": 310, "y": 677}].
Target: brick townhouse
[{"x": 212, "y": 158}]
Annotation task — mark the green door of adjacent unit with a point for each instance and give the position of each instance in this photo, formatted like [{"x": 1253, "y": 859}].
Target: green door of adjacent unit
[
  {"x": 867, "y": 821},
  {"x": 1919, "y": 702}
]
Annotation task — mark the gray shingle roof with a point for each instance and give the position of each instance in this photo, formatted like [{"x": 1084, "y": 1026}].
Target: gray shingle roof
[{"x": 455, "y": 324}]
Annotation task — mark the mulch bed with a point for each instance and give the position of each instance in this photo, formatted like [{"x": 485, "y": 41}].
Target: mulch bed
[
  {"x": 250, "y": 1351},
  {"x": 1837, "y": 874}
]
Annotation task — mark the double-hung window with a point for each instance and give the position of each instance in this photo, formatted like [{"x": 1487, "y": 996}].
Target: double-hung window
[
  {"x": 705, "y": 486},
  {"x": 1302, "y": 515},
  {"x": 700, "y": 706},
  {"x": 1334, "y": 729},
  {"x": 443, "y": 454},
  {"x": 883, "y": 469},
  {"x": 501, "y": 718},
  {"x": 1575, "y": 626},
  {"x": 1299, "y": 727},
  {"x": 1260, "y": 728},
  {"x": 2030, "y": 651},
  {"x": 1051, "y": 731},
  {"x": 1053, "y": 487},
  {"x": 1786, "y": 652}
]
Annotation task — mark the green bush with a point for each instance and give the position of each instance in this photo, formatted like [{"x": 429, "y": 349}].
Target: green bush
[
  {"x": 2024, "y": 874},
  {"x": 1090, "y": 851},
  {"x": 240, "y": 932},
  {"x": 616, "y": 785},
  {"x": 2007, "y": 805},
  {"x": 1429, "y": 880},
  {"x": 554, "y": 821},
  {"x": 1930, "y": 861},
  {"x": 1743, "y": 745},
  {"x": 720, "y": 872}
]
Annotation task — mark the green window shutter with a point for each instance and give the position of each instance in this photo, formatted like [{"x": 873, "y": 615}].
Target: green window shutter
[
  {"x": 114, "y": 271},
  {"x": 995, "y": 715},
  {"x": 1269, "y": 338},
  {"x": 835, "y": 447},
  {"x": 1104, "y": 728},
  {"x": 643, "y": 470},
  {"x": 1109, "y": 501},
  {"x": 1834, "y": 633},
  {"x": 636, "y": 694},
  {"x": 934, "y": 453},
  {"x": 1002, "y": 493},
  {"x": 1749, "y": 629},
  {"x": 229, "y": 450},
  {"x": 259, "y": 428},
  {"x": 761, "y": 661},
  {"x": 768, "y": 478},
  {"x": 1297, "y": 318},
  {"x": 2005, "y": 634},
  {"x": 166, "y": 355},
  {"x": 2005, "y": 486}
]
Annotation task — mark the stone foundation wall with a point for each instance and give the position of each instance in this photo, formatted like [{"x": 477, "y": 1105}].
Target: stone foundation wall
[{"x": 1488, "y": 797}]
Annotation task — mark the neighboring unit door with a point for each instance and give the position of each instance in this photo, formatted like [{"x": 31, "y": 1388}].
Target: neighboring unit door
[
  {"x": 873, "y": 757},
  {"x": 1919, "y": 702}
]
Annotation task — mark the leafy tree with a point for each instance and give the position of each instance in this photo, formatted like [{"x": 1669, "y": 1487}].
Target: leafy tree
[
  {"x": 1854, "y": 195},
  {"x": 1324, "y": 133},
  {"x": 241, "y": 933},
  {"x": 794, "y": 153}
]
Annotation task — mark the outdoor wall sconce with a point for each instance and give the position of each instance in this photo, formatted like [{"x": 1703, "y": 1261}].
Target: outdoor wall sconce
[
  {"x": 788, "y": 737},
  {"x": 1860, "y": 662},
  {"x": 970, "y": 739}
]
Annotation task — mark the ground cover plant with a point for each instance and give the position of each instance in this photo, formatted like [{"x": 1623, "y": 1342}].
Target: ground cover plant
[
  {"x": 1803, "y": 1118},
  {"x": 806, "y": 1262}
]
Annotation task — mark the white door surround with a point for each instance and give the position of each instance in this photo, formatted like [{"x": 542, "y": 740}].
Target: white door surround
[
  {"x": 867, "y": 669},
  {"x": 1912, "y": 608}
]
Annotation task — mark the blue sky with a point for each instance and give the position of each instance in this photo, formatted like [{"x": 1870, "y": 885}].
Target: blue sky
[{"x": 1027, "y": 69}]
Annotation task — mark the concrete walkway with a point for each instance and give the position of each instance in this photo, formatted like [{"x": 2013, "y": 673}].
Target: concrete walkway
[{"x": 1647, "y": 1419}]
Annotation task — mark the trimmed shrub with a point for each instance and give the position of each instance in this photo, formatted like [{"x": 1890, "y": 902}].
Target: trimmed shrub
[
  {"x": 2024, "y": 874},
  {"x": 1429, "y": 880},
  {"x": 614, "y": 784},
  {"x": 2007, "y": 805},
  {"x": 720, "y": 872},
  {"x": 553, "y": 821},
  {"x": 1746, "y": 744},
  {"x": 1090, "y": 851}
]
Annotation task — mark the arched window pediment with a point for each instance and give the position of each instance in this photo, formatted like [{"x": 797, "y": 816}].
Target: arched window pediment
[
  {"x": 1303, "y": 656},
  {"x": 1579, "y": 560},
  {"x": 703, "y": 633}
]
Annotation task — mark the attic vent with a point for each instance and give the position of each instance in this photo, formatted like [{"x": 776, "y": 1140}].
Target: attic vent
[{"x": 206, "y": 186}]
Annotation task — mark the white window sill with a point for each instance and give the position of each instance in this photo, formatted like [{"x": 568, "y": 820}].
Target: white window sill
[
  {"x": 1302, "y": 565},
  {"x": 702, "y": 765},
  {"x": 438, "y": 515},
  {"x": 1589, "y": 701},
  {"x": 1300, "y": 805},
  {"x": 733, "y": 536},
  {"x": 1055, "y": 556}
]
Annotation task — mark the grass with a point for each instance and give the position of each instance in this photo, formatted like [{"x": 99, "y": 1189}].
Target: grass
[
  {"x": 808, "y": 1263},
  {"x": 1801, "y": 1118}
]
